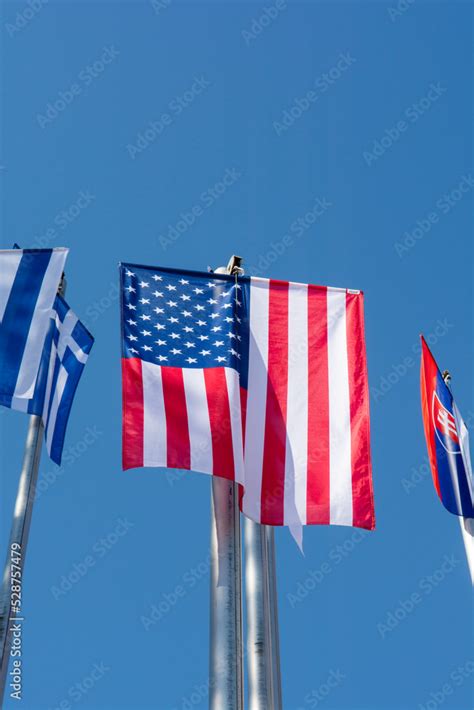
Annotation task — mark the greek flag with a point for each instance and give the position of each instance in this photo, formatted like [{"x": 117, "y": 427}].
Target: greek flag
[{"x": 29, "y": 280}]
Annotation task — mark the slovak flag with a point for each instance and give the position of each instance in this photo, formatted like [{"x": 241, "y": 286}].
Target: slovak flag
[{"x": 447, "y": 440}]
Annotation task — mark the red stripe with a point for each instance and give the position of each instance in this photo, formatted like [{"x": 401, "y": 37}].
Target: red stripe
[
  {"x": 317, "y": 490},
  {"x": 273, "y": 473},
  {"x": 429, "y": 370},
  {"x": 362, "y": 493},
  {"x": 219, "y": 417},
  {"x": 177, "y": 432},
  {"x": 132, "y": 413}
]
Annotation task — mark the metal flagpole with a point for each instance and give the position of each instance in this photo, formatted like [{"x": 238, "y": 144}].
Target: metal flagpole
[
  {"x": 263, "y": 647},
  {"x": 467, "y": 524},
  {"x": 10, "y": 613},
  {"x": 225, "y": 652}
]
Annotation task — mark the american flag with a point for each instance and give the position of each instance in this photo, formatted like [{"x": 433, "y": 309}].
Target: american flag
[{"x": 259, "y": 381}]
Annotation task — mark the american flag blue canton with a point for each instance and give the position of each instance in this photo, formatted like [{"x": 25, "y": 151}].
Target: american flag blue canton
[{"x": 185, "y": 320}]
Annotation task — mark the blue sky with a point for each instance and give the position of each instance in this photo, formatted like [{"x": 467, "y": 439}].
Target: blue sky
[{"x": 346, "y": 125}]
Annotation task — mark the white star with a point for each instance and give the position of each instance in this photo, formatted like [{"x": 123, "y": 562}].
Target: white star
[
  {"x": 204, "y": 352},
  {"x": 214, "y": 315},
  {"x": 158, "y": 293},
  {"x": 145, "y": 317},
  {"x": 238, "y": 286},
  {"x": 160, "y": 342},
  {"x": 132, "y": 350},
  {"x": 189, "y": 344},
  {"x": 227, "y": 305},
  {"x": 239, "y": 303},
  {"x": 186, "y": 314},
  {"x": 233, "y": 352},
  {"x": 130, "y": 307},
  {"x": 146, "y": 332},
  {"x": 219, "y": 358},
  {"x": 144, "y": 284},
  {"x": 188, "y": 329},
  {"x": 130, "y": 289},
  {"x": 175, "y": 351},
  {"x": 144, "y": 300},
  {"x": 146, "y": 347},
  {"x": 173, "y": 320},
  {"x": 198, "y": 290},
  {"x": 201, "y": 322},
  {"x": 203, "y": 337},
  {"x": 228, "y": 319},
  {"x": 216, "y": 328},
  {"x": 159, "y": 326},
  {"x": 162, "y": 358},
  {"x": 183, "y": 282},
  {"x": 239, "y": 337},
  {"x": 155, "y": 277},
  {"x": 170, "y": 287},
  {"x": 223, "y": 294},
  {"x": 183, "y": 297},
  {"x": 211, "y": 284},
  {"x": 230, "y": 334},
  {"x": 218, "y": 343},
  {"x": 191, "y": 360},
  {"x": 212, "y": 301},
  {"x": 132, "y": 337},
  {"x": 174, "y": 335},
  {"x": 198, "y": 307},
  {"x": 238, "y": 319},
  {"x": 132, "y": 322},
  {"x": 159, "y": 310},
  {"x": 129, "y": 273},
  {"x": 171, "y": 303}
]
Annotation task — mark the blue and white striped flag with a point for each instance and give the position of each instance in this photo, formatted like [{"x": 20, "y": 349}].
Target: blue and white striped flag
[
  {"x": 29, "y": 280},
  {"x": 64, "y": 357}
]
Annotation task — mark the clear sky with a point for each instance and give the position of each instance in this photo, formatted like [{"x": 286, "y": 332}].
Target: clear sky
[{"x": 346, "y": 125}]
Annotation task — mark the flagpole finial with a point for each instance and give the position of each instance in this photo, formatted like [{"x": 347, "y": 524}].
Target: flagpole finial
[{"x": 446, "y": 377}]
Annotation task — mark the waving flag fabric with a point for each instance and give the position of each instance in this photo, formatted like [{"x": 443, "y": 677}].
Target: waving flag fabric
[
  {"x": 447, "y": 440},
  {"x": 29, "y": 280},
  {"x": 259, "y": 381}
]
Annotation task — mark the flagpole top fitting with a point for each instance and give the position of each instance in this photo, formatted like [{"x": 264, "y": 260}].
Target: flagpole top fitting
[
  {"x": 233, "y": 267},
  {"x": 446, "y": 377}
]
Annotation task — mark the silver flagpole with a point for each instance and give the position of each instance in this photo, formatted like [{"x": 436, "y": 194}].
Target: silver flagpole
[
  {"x": 225, "y": 652},
  {"x": 467, "y": 524},
  {"x": 263, "y": 647},
  {"x": 10, "y": 615}
]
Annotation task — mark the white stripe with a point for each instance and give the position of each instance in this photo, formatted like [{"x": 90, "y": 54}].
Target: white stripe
[
  {"x": 65, "y": 329},
  {"x": 296, "y": 459},
  {"x": 257, "y": 396},
  {"x": 233, "y": 392},
  {"x": 199, "y": 424},
  {"x": 340, "y": 475},
  {"x": 49, "y": 383},
  {"x": 56, "y": 401},
  {"x": 25, "y": 384},
  {"x": 154, "y": 418},
  {"x": 10, "y": 261}
]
